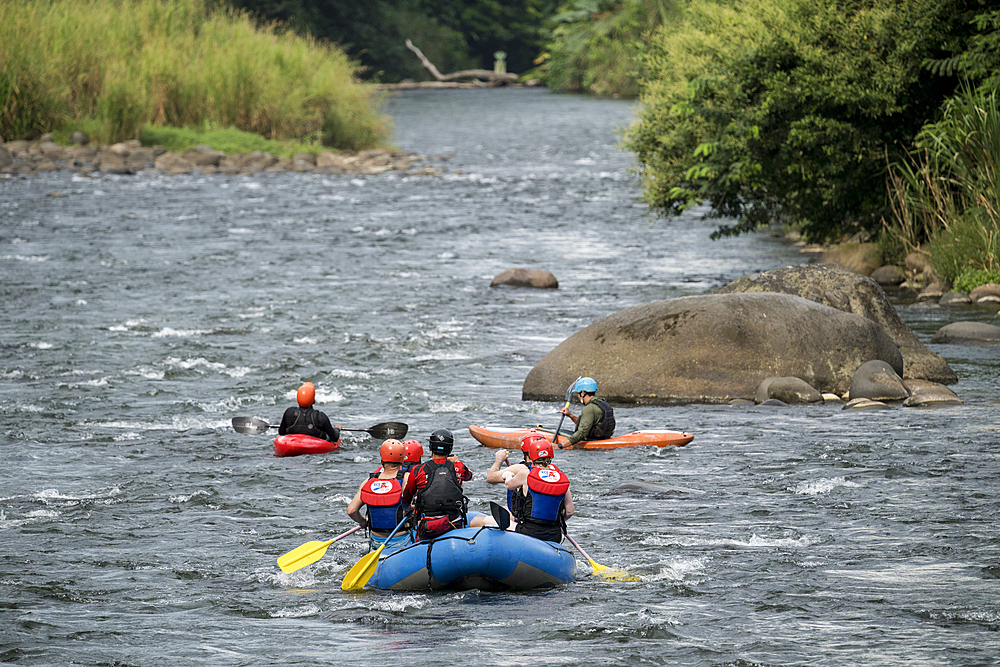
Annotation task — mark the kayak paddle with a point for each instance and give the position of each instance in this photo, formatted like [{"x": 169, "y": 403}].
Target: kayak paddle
[
  {"x": 254, "y": 426},
  {"x": 500, "y": 515},
  {"x": 358, "y": 576},
  {"x": 308, "y": 553},
  {"x": 569, "y": 397},
  {"x": 603, "y": 571}
]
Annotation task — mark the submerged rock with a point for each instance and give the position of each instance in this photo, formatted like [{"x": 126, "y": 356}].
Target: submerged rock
[
  {"x": 978, "y": 334},
  {"x": 520, "y": 277}
]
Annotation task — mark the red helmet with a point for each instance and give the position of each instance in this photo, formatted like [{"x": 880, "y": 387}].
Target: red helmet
[
  {"x": 530, "y": 438},
  {"x": 539, "y": 449},
  {"x": 306, "y": 395},
  {"x": 391, "y": 451},
  {"x": 413, "y": 451}
]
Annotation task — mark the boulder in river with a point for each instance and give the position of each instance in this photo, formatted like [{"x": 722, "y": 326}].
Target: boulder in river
[
  {"x": 925, "y": 394},
  {"x": 968, "y": 333},
  {"x": 852, "y": 293},
  {"x": 788, "y": 390},
  {"x": 878, "y": 381},
  {"x": 712, "y": 349},
  {"x": 520, "y": 277}
]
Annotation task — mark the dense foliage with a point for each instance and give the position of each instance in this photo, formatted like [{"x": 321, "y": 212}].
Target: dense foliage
[
  {"x": 786, "y": 110},
  {"x": 947, "y": 193},
  {"x": 111, "y": 67},
  {"x": 599, "y": 46},
  {"x": 453, "y": 34}
]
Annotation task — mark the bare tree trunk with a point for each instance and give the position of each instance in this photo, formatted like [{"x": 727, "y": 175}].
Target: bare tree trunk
[{"x": 484, "y": 74}]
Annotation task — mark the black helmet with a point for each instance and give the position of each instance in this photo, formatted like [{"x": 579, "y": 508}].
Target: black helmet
[{"x": 441, "y": 441}]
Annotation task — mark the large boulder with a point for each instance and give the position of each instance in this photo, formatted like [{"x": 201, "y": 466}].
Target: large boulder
[
  {"x": 712, "y": 349},
  {"x": 852, "y": 293}
]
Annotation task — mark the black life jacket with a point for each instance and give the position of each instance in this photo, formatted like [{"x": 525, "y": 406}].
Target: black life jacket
[
  {"x": 605, "y": 428},
  {"x": 305, "y": 424},
  {"x": 443, "y": 494}
]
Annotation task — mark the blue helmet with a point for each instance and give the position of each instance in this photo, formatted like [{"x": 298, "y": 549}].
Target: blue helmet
[{"x": 585, "y": 384}]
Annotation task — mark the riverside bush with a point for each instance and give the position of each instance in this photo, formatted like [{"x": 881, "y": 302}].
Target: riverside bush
[
  {"x": 784, "y": 110},
  {"x": 118, "y": 66},
  {"x": 946, "y": 194}
]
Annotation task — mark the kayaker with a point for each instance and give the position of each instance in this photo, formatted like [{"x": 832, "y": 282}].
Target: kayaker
[
  {"x": 596, "y": 420},
  {"x": 496, "y": 475},
  {"x": 542, "y": 500},
  {"x": 306, "y": 420},
  {"x": 413, "y": 452},
  {"x": 435, "y": 489},
  {"x": 382, "y": 494}
]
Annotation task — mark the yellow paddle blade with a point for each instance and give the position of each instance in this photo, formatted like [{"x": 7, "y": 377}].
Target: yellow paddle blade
[
  {"x": 307, "y": 554},
  {"x": 362, "y": 571},
  {"x": 608, "y": 574}
]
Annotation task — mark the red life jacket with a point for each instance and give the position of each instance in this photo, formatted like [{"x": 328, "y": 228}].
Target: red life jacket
[
  {"x": 540, "y": 513},
  {"x": 384, "y": 500}
]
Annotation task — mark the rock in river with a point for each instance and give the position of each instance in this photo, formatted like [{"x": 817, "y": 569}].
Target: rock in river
[
  {"x": 852, "y": 293},
  {"x": 713, "y": 349}
]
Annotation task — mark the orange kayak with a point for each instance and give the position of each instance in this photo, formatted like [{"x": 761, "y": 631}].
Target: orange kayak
[{"x": 510, "y": 438}]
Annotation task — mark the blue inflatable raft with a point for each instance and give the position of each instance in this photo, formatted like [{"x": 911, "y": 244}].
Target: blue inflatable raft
[{"x": 476, "y": 558}]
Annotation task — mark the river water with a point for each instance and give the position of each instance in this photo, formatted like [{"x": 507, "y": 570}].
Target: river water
[{"x": 140, "y": 314}]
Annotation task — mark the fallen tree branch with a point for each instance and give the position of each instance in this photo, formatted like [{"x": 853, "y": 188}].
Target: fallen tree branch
[{"x": 484, "y": 74}]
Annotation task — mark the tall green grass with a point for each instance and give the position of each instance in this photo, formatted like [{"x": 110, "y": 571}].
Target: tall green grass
[
  {"x": 947, "y": 196},
  {"x": 117, "y": 65}
]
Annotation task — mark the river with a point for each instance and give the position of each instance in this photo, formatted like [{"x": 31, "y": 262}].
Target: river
[{"x": 141, "y": 313}]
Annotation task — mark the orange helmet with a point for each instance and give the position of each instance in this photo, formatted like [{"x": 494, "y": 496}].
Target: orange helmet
[
  {"x": 391, "y": 451},
  {"x": 413, "y": 451},
  {"x": 539, "y": 449},
  {"x": 530, "y": 438},
  {"x": 306, "y": 395}
]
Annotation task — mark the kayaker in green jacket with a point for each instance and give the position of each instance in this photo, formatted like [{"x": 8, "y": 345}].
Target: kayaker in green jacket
[{"x": 596, "y": 420}]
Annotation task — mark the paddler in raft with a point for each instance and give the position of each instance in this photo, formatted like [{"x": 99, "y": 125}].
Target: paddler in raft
[
  {"x": 596, "y": 420},
  {"x": 542, "y": 500},
  {"x": 382, "y": 494},
  {"x": 435, "y": 489},
  {"x": 497, "y": 476},
  {"x": 306, "y": 420}
]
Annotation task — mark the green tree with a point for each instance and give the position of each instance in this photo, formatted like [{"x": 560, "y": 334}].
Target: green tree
[
  {"x": 517, "y": 27},
  {"x": 373, "y": 32},
  {"x": 785, "y": 110},
  {"x": 599, "y": 46}
]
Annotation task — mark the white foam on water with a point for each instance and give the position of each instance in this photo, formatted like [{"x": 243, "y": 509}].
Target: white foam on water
[
  {"x": 822, "y": 486},
  {"x": 297, "y": 612},
  {"x": 189, "y": 497},
  {"x": 170, "y": 332},
  {"x": 26, "y": 258}
]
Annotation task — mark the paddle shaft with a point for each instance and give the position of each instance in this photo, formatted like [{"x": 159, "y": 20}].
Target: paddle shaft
[
  {"x": 569, "y": 397},
  {"x": 255, "y": 426}
]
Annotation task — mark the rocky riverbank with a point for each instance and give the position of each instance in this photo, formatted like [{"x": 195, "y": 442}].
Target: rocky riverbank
[{"x": 24, "y": 158}]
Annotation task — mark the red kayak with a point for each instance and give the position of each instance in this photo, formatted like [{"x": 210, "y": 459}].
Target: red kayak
[{"x": 296, "y": 445}]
